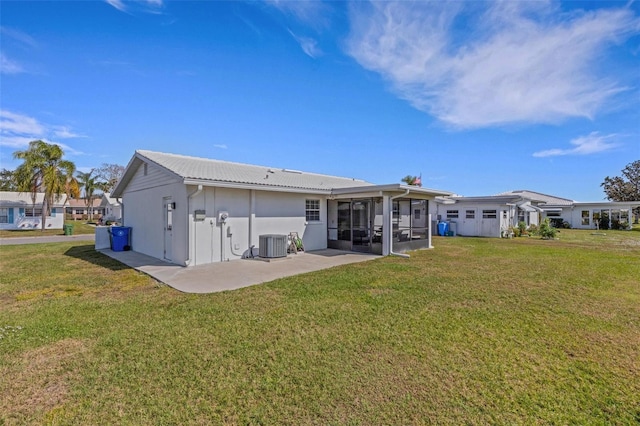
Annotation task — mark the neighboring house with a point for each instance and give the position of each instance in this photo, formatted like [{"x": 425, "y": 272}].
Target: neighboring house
[
  {"x": 491, "y": 216},
  {"x": 582, "y": 215},
  {"x": 193, "y": 211},
  {"x": 18, "y": 211},
  {"x": 77, "y": 209},
  {"x": 111, "y": 208}
]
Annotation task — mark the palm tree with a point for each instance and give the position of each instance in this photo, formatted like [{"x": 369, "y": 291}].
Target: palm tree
[
  {"x": 412, "y": 180},
  {"x": 43, "y": 170},
  {"x": 90, "y": 184}
]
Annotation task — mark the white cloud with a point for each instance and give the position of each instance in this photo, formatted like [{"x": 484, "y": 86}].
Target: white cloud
[
  {"x": 309, "y": 46},
  {"x": 8, "y": 66},
  {"x": 17, "y": 130},
  {"x": 118, "y": 4},
  {"x": 64, "y": 132},
  {"x": 19, "y": 36},
  {"x": 477, "y": 64},
  {"x": 220, "y": 146},
  {"x": 583, "y": 145},
  {"x": 311, "y": 12},
  {"x": 149, "y": 6},
  {"x": 12, "y": 123}
]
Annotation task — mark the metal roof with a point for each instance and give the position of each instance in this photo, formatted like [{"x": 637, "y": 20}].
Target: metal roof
[
  {"x": 539, "y": 197},
  {"x": 15, "y": 199},
  {"x": 206, "y": 170}
]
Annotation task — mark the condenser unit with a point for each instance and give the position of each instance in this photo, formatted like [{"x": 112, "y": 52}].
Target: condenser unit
[{"x": 272, "y": 245}]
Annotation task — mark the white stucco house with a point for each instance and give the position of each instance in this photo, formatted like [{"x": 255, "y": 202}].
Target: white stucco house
[
  {"x": 193, "y": 211},
  {"x": 491, "y": 216},
  {"x": 20, "y": 211}
]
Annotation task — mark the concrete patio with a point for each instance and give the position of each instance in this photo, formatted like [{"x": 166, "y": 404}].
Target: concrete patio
[{"x": 235, "y": 274}]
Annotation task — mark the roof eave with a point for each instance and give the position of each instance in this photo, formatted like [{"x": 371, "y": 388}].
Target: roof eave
[{"x": 246, "y": 185}]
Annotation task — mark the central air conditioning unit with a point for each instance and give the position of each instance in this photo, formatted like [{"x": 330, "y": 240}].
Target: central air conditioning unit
[{"x": 272, "y": 245}]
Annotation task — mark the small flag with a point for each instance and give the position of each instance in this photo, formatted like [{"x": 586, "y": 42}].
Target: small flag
[{"x": 418, "y": 181}]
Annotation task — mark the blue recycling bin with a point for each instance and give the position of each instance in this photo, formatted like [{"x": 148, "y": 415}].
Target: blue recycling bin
[
  {"x": 443, "y": 228},
  {"x": 120, "y": 238}
]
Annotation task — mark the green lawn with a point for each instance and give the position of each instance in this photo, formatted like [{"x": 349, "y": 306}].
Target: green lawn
[
  {"x": 79, "y": 227},
  {"x": 476, "y": 331}
]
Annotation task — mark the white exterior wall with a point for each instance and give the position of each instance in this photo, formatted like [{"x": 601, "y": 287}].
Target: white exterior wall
[
  {"x": 55, "y": 221},
  {"x": 145, "y": 214},
  {"x": 477, "y": 226},
  {"x": 251, "y": 213},
  {"x": 573, "y": 215}
]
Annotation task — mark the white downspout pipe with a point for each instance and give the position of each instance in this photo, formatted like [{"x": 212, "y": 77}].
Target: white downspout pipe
[
  {"x": 390, "y": 232},
  {"x": 119, "y": 200},
  {"x": 187, "y": 261}
]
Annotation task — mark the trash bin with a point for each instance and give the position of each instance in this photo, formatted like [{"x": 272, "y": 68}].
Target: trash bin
[
  {"x": 68, "y": 228},
  {"x": 443, "y": 227},
  {"x": 120, "y": 238}
]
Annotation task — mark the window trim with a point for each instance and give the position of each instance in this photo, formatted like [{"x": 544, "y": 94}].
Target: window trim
[
  {"x": 490, "y": 214},
  {"x": 312, "y": 210}
]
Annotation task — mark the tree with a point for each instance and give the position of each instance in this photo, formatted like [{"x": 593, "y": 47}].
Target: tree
[
  {"x": 110, "y": 174},
  {"x": 89, "y": 184},
  {"x": 412, "y": 180},
  {"x": 7, "y": 181},
  {"x": 625, "y": 187},
  {"x": 43, "y": 170}
]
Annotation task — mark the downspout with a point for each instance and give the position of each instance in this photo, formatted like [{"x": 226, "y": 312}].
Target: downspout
[
  {"x": 119, "y": 200},
  {"x": 390, "y": 234},
  {"x": 187, "y": 261}
]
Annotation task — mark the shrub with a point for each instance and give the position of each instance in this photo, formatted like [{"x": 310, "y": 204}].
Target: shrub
[
  {"x": 533, "y": 229},
  {"x": 522, "y": 228},
  {"x": 546, "y": 231}
]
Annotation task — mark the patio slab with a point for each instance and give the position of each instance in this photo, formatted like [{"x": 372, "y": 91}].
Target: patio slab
[{"x": 234, "y": 274}]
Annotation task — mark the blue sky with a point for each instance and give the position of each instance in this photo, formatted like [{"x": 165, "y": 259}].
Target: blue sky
[{"x": 477, "y": 97}]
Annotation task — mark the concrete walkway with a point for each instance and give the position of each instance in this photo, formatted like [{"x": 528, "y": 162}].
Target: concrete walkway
[
  {"x": 46, "y": 239},
  {"x": 221, "y": 276}
]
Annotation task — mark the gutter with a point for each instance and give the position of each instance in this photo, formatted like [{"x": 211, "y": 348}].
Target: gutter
[
  {"x": 188, "y": 260},
  {"x": 391, "y": 252},
  {"x": 119, "y": 200}
]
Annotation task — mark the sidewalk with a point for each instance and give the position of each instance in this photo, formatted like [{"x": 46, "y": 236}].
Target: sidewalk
[{"x": 47, "y": 239}]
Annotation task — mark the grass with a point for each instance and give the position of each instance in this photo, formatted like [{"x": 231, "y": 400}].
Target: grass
[
  {"x": 79, "y": 227},
  {"x": 476, "y": 331}
]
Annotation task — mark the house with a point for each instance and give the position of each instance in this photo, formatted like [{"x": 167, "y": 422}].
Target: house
[
  {"x": 193, "y": 211},
  {"x": 77, "y": 209},
  {"x": 491, "y": 216},
  {"x": 21, "y": 211},
  {"x": 111, "y": 208},
  {"x": 582, "y": 215}
]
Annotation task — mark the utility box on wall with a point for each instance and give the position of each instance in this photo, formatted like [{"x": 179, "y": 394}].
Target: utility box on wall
[{"x": 199, "y": 215}]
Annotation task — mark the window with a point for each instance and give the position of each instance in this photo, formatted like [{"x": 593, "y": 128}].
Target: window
[
  {"x": 416, "y": 214},
  {"x": 553, "y": 214},
  {"x": 489, "y": 214},
  {"x": 470, "y": 214},
  {"x": 31, "y": 212},
  {"x": 4, "y": 215},
  {"x": 585, "y": 217},
  {"x": 452, "y": 214},
  {"x": 312, "y": 210}
]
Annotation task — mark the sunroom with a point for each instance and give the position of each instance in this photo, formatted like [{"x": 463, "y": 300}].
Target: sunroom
[{"x": 381, "y": 219}]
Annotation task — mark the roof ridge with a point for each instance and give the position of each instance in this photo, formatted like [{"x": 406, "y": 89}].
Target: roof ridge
[{"x": 235, "y": 163}]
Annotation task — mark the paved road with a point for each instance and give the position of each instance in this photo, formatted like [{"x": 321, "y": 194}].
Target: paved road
[{"x": 48, "y": 239}]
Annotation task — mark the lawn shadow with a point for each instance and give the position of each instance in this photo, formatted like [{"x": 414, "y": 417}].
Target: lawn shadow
[{"x": 88, "y": 253}]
